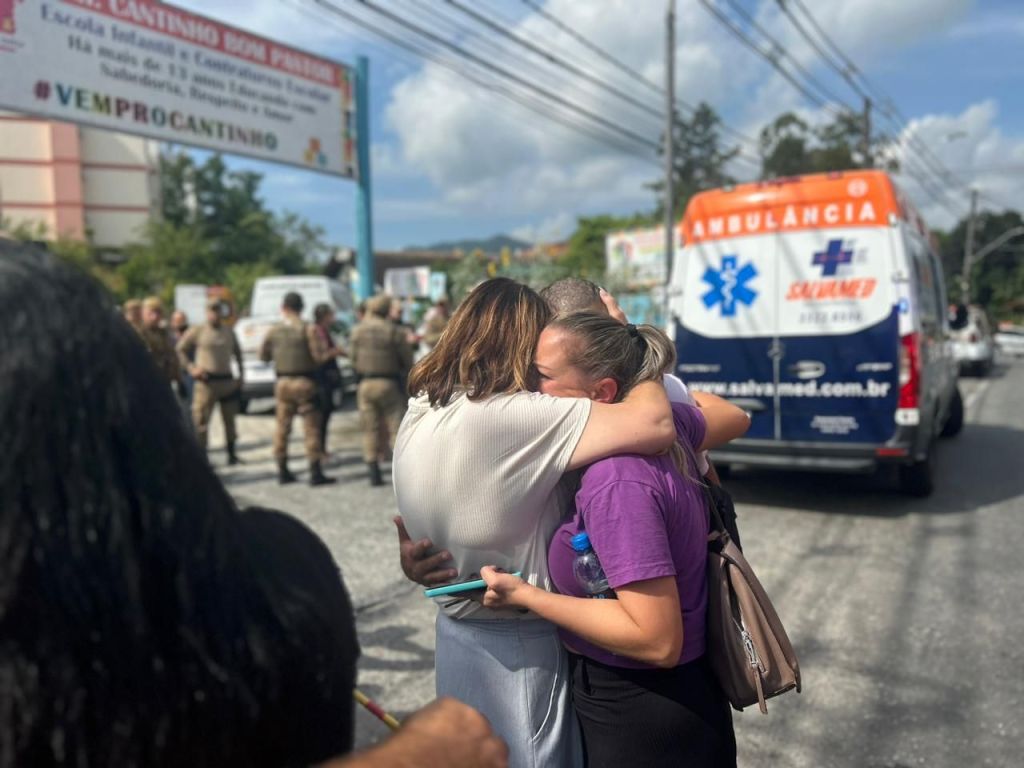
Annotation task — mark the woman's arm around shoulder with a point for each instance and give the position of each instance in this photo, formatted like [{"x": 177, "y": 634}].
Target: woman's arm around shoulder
[{"x": 640, "y": 423}]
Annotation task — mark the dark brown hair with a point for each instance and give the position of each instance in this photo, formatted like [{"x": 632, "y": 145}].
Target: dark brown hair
[{"x": 488, "y": 346}]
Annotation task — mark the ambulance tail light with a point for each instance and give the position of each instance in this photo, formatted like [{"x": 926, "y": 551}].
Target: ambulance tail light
[{"x": 910, "y": 371}]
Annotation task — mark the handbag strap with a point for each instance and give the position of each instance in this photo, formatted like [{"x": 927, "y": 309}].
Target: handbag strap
[{"x": 715, "y": 524}]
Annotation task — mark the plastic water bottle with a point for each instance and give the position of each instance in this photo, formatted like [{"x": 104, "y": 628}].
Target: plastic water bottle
[{"x": 587, "y": 568}]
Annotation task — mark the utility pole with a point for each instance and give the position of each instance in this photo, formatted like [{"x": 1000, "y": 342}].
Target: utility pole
[
  {"x": 670, "y": 111},
  {"x": 965, "y": 277},
  {"x": 866, "y": 134}
]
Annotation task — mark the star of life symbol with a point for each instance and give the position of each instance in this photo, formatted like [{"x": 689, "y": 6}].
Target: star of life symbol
[{"x": 729, "y": 286}]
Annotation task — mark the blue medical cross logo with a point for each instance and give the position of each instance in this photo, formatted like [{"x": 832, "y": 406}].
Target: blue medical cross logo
[
  {"x": 729, "y": 286},
  {"x": 830, "y": 259}
]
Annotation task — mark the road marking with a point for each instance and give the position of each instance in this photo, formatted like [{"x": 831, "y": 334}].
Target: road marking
[{"x": 971, "y": 398}]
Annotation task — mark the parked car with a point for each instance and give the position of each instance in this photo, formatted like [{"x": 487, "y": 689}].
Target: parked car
[
  {"x": 1010, "y": 340},
  {"x": 267, "y": 296},
  {"x": 971, "y": 340},
  {"x": 817, "y": 304}
]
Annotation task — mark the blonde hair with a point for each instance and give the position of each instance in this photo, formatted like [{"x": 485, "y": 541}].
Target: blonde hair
[
  {"x": 487, "y": 347},
  {"x": 600, "y": 347}
]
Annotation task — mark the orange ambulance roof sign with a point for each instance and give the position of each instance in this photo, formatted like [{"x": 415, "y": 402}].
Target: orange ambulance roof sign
[{"x": 843, "y": 199}]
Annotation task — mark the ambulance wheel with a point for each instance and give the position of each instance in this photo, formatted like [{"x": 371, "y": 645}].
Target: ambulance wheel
[
  {"x": 917, "y": 479},
  {"x": 955, "y": 419}
]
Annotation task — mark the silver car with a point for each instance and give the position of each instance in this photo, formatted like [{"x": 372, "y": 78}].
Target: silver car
[{"x": 972, "y": 343}]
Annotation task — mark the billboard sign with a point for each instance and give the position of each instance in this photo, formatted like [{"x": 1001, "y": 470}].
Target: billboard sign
[
  {"x": 636, "y": 258},
  {"x": 407, "y": 281},
  {"x": 152, "y": 69}
]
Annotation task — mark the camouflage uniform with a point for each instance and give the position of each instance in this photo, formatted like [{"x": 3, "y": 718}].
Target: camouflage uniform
[
  {"x": 297, "y": 350},
  {"x": 382, "y": 357},
  {"x": 212, "y": 347}
]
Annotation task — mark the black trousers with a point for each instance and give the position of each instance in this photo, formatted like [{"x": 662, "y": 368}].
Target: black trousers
[
  {"x": 326, "y": 401},
  {"x": 652, "y": 718}
]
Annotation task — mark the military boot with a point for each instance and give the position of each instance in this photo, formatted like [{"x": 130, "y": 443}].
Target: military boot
[
  {"x": 374, "y": 469},
  {"x": 283, "y": 475},
  {"x": 232, "y": 456},
  {"x": 317, "y": 476}
]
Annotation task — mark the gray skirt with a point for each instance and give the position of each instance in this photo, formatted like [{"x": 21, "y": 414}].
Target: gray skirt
[{"x": 516, "y": 673}]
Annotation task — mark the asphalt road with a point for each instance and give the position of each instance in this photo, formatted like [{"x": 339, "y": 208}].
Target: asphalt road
[{"x": 906, "y": 613}]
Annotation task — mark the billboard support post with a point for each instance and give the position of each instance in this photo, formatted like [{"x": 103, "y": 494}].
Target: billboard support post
[{"x": 364, "y": 210}]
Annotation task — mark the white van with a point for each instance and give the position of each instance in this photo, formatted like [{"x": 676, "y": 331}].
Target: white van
[
  {"x": 267, "y": 296},
  {"x": 817, "y": 304}
]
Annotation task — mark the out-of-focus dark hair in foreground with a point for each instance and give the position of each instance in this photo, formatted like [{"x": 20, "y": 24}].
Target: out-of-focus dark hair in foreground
[{"x": 138, "y": 624}]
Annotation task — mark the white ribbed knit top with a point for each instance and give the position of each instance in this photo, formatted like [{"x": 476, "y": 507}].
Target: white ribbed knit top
[{"x": 481, "y": 479}]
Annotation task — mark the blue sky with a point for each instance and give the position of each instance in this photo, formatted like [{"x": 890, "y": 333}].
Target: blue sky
[{"x": 453, "y": 160}]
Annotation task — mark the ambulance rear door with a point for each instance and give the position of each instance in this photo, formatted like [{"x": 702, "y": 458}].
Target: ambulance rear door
[
  {"x": 724, "y": 315},
  {"x": 838, "y": 335}
]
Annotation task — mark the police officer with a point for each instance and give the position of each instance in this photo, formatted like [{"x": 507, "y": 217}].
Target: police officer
[
  {"x": 297, "y": 350},
  {"x": 157, "y": 340},
  {"x": 382, "y": 357},
  {"x": 205, "y": 351}
]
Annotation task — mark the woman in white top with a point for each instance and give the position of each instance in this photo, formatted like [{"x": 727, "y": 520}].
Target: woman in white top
[{"x": 477, "y": 469}]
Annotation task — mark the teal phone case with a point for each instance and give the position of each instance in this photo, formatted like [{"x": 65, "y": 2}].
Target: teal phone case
[{"x": 464, "y": 586}]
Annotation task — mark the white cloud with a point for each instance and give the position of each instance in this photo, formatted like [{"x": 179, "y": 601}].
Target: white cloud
[
  {"x": 486, "y": 156},
  {"x": 975, "y": 152},
  {"x": 993, "y": 25},
  {"x": 550, "y": 230}
]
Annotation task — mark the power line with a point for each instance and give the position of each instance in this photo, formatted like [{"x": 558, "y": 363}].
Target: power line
[
  {"x": 593, "y": 47},
  {"x": 483, "y": 63},
  {"x": 526, "y": 100},
  {"x": 781, "y": 51},
  {"x": 625, "y": 68},
  {"x": 846, "y": 68},
  {"x": 624, "y": 140},
  {"x": 562, "y": 63},
  {"x": 556, "y": 60},
  {"x": 742, "y": 36},
  {"x": 447, "y": 25}
]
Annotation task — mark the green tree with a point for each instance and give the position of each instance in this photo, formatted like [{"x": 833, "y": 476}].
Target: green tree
[
  {"x": 699, "y": 159},
  {"x": 585, "y": 256},
  {"x": 217, "y": 229},
  {"x": 177, "y": 188},
  {"x": 791, "y": 147},
  {"x": 784, "y": 147},
  {"x": 997, "y": 281}
]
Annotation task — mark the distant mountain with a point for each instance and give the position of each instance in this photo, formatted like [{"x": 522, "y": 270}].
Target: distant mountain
[{"x": 490, "y": 245}]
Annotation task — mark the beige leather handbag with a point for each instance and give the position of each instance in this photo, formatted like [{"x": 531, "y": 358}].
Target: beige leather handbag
[{"x": 747, "y": 645}]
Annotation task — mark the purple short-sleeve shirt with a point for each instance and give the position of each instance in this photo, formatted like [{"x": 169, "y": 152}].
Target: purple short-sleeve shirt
[{"x": 645, "y": 521}]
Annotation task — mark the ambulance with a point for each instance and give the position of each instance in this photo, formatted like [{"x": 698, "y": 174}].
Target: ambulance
[{"x": 817, "y": 304}]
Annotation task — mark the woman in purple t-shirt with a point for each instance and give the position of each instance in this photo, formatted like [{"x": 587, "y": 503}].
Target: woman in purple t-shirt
[{"x": 642, "y": 691}]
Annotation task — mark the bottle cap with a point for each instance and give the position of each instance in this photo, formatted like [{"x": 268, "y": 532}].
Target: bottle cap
[{"x": 580, "y": 542}]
